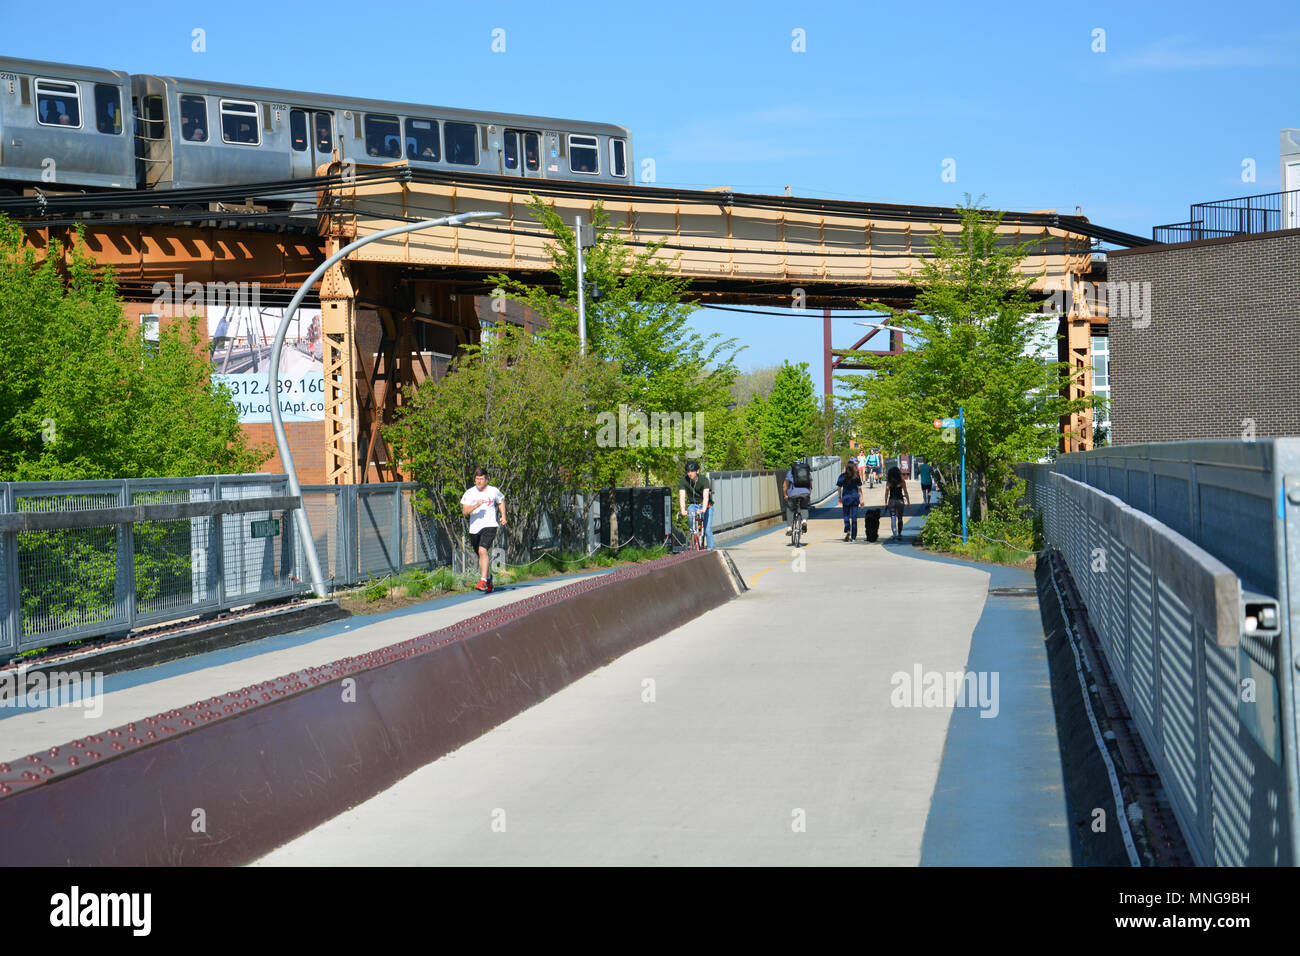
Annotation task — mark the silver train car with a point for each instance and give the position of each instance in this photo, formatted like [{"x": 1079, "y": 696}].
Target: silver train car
[
  {"x": 65, "y": 126},
  {"x": 181, "y": 133}
]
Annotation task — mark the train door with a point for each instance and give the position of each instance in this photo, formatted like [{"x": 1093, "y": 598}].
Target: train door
[
  {"x": 521, "y": 153},
  {"x": 311, "y": 141}
]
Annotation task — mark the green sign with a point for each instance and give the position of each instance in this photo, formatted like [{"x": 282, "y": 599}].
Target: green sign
[{"x": 269, "y": 528}]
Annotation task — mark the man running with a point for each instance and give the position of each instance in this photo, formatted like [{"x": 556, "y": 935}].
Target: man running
[{"x": 477, "y": 503}]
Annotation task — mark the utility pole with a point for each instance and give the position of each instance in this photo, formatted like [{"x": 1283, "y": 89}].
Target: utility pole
[{"x": 579, "y": 240}]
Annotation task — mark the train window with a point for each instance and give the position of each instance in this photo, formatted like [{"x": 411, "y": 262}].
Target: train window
[
  {"x": 324, "y": 133},
  {"x": 584, "y": 154},
  {"x": 422, "y": 140},
  {"x": 58, "y": 103},
  {"x": 194, "y": 119},
  {"x": 618, "y": 157},
  {"x": 154, "y": 117},
  {"x": 298, "y": 130},
  {"x": 532, "y": 152},
  {"x": 239, "y": 123},
  {"x": 108, "y": 109},
  {"x": 512, "y": 149},
  {"x": 462, "y": 143},
  {"x": 382, "y": 137}
]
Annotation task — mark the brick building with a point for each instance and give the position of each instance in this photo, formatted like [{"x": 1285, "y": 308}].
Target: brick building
[
  {"x": 307, "y": 438},
  {"x": 1217, "y": 353}
]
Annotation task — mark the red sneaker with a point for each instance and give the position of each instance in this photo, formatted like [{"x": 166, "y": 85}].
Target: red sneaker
[{"x": 482, "y": 585}]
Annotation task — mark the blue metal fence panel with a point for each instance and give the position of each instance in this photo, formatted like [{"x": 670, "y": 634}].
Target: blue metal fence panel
[{"x": 1219, "y": 719}]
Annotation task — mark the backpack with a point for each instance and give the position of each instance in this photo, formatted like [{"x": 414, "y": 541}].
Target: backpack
[{"x": 800, "y": 475}]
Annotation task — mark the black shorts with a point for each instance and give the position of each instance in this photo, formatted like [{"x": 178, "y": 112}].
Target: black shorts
[{"x": 483, "y": 539}]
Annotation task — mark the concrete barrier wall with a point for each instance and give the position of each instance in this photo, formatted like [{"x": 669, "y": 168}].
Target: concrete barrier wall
[{"x": 264, "y": 764}]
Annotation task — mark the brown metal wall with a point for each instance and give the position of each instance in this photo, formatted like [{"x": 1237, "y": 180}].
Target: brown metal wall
[{"x": 270, "y": 762}]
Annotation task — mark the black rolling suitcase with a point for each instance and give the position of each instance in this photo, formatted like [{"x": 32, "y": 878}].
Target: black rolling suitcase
[{"x": 871, "y": 523}]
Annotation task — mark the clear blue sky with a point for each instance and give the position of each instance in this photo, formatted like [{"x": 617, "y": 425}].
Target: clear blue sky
[{"x": 1014, "y": 93}]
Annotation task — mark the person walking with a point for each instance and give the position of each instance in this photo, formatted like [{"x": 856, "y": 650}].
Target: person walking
[
  {"x": 896, "y": 499},
  {"x": 477, "y": 504},
  {"x": 924, "y": 474},
  {"x": 850, "y": 485}
]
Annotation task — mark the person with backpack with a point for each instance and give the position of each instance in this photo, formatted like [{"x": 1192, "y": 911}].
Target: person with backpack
[
  {"x": 926, "y": 485},
  {"x": 798, "y": 485},
  {"x": 896, "y": 499},
  {"x": 850, "y": 485}
]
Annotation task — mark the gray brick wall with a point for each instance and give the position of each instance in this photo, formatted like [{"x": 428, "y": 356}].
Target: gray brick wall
[{"x": 1222, "y": 346}]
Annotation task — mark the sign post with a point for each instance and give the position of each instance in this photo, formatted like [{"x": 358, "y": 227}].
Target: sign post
[{"x": 959, "y": 423}]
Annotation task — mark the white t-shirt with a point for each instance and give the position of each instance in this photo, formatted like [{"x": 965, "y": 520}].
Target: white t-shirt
[{"x": 484, "y": 516}]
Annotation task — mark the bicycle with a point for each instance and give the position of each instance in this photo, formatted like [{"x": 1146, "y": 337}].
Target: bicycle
[
  {"x": 797, "y": 519},
  {"x": 697, "y": 539}
]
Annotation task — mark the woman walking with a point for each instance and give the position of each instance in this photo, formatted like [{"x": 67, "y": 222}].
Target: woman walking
[
  {"x": 896, "y": 498},
  {"x": 850, "y": 486}
]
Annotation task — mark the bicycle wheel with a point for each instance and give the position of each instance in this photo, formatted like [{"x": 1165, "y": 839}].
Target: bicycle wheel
[{"x": 794, "y": 531}]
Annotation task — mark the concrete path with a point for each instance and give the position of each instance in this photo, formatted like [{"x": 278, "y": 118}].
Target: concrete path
[{"x": 781, "y": 728}]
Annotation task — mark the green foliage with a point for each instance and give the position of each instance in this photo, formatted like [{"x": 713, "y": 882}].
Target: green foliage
[
  {"x": 375, "y": 589},
  {"x": 1007, "y": 534},
  {"x": 755, "y": 382},
  {"x": 978, "y": 346},
  {"x": 522, "y": 411},
  {"x": 639, "y": 323},
  {"x": 793, "y": 419},
  {"x": 79, "y": 396}
]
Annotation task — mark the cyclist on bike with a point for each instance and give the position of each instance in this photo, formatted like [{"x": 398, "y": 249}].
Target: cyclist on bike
[
  {"x": 798, "y": 493},
  {"x": 873, "y": 464},
  {"x": 697, "y": 488}
]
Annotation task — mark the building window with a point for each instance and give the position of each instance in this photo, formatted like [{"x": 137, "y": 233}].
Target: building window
[{"x": 149, "y": 333}]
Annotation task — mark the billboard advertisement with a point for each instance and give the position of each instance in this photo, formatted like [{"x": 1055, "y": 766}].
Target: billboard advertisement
[{"x": 241, "y": 354}]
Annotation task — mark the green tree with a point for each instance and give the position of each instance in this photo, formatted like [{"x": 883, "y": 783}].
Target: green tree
[
  {"x": 757, "y": 381},
  {"x": 522, "y": 411},
  {"x": 81, "y": 398},
  {"x": 793, "y": 424},
  {"x": 639, "y": 322},
  {"x": 978, "y": 346}
]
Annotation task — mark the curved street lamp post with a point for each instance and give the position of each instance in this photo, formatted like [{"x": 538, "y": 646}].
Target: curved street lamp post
[{"x": 277, "y": 423}]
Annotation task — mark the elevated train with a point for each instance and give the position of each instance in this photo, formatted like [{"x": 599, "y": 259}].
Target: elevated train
[{"x": 72, "y": 128}]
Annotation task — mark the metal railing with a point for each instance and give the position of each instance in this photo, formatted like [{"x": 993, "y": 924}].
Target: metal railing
[
  {"x": 1245, "y": 215},
  {"x": 1187, "y": 557},
  {"x": 90, "y": 558},
  {"x": 744, "y": 497}
]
